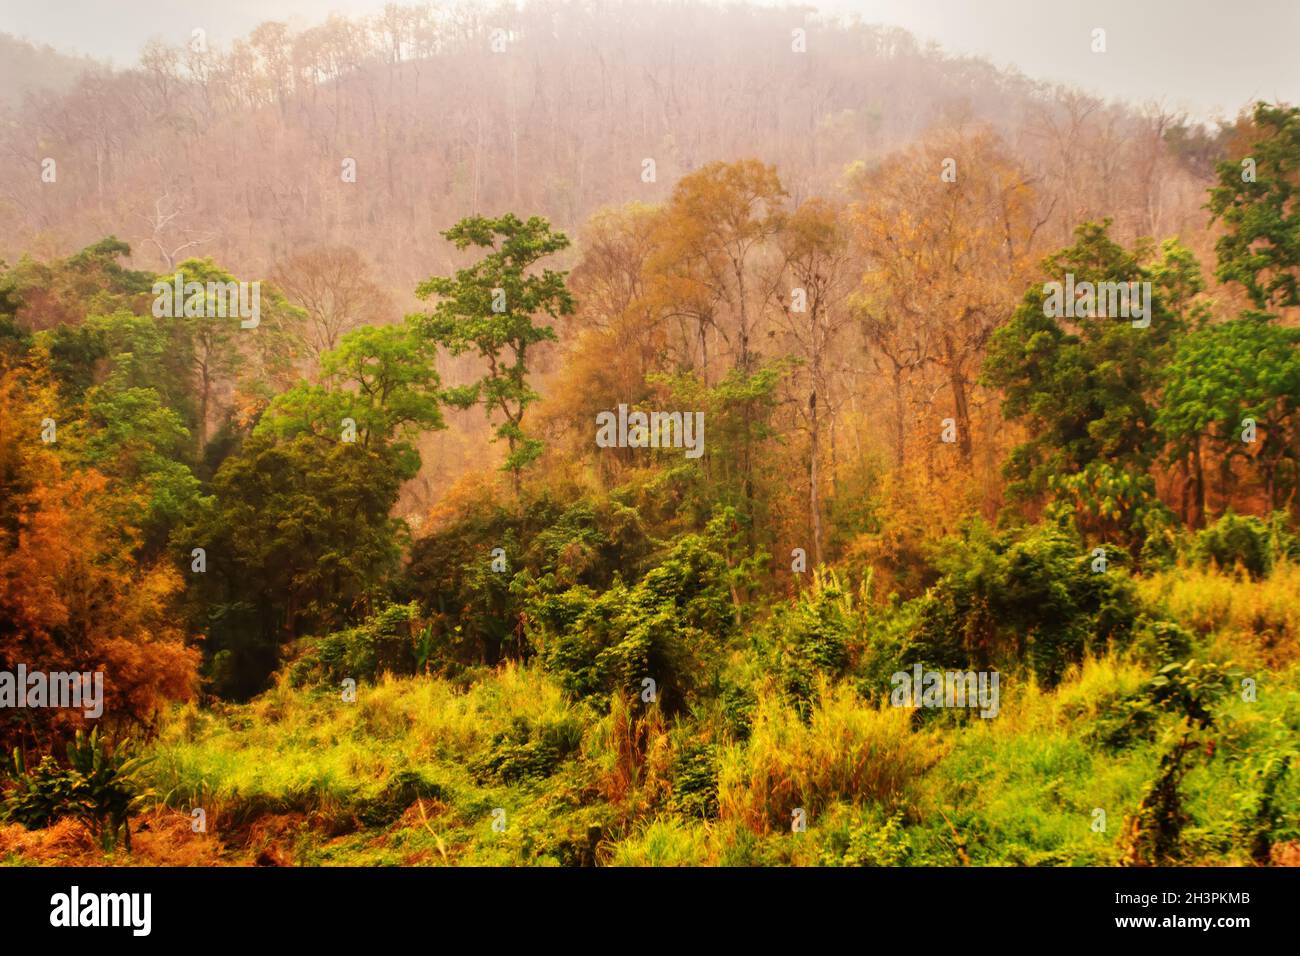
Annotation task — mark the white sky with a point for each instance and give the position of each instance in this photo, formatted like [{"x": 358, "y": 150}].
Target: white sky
[{"x": 1209, "y": 57}]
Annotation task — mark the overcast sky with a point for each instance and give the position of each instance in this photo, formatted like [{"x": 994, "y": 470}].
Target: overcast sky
[{"x": 1209, "y": 57}]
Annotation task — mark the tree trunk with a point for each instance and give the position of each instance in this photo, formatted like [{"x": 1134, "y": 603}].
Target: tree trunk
[
  {"x": 814, "y": 500},
  {"x": 900, "y": 418},
  {"x": 961, "y": 406}
]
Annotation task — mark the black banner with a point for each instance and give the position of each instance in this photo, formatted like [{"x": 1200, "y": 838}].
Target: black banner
[{"x": 138, "y": 906}]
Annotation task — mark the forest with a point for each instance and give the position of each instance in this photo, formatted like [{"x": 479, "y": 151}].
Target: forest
[{"x": 696, "y": 436}]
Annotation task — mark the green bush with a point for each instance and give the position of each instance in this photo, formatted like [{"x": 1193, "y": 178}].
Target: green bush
[
  {"x": 875, "y": 840},
  {"x": 1027, "y": 597},
  {"x": 812, "y": 637},
  {"x": 1186, "y": 689},
  {"x": 402, "y": 789},
  {"x": 1246, "y": 541},
  {"x": 98, "y": 786},
  {"x": 388, "y": 642},
  {"x": 669, "y": 627},
  {"x": 527, "y": 751},
  {"x": 695, "y": 781}
]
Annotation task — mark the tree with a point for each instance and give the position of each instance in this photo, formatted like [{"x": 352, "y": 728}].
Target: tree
[
  {"x": 226, "y": 354},
  {"x": 299, "y": 533},
  {"x": 1223, "y": 376},
  {"x": 815, "y": 252},
  {"x": 943, "y": 256},
  {"x": 332, "y": 285},
  {"x": 1261, "y": 212},
  {"x": 74, "y": 594},
  {"x": 492, "y": 307},
  {"x": 1087, "y": 387},
  {"x": 713, "y": 230}
]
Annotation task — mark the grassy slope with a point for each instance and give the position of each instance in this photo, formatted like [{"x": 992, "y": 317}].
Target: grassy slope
[{"x": 400, "y": 776}]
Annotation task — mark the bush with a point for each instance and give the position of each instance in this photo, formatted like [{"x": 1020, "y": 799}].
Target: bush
[
  {"x": 1245, "y": 541},
  {"x": 1186, "y": 689},
  {"x": 668, "y": 628},
  {"x": 404, "y": 788},
  {"x": 527, "y": 751},
  {"x": 97, "y": 786},
  {"x": 695, "y": 781},
  {"x": 813, "y": 637},
  {"x": 875, "y": 840},
  {"x": 1029, "y": 596},
  {"x": 387, "y": 642}
]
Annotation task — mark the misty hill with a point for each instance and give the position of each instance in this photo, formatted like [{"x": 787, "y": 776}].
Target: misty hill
[{"x": 555, "y": 110}]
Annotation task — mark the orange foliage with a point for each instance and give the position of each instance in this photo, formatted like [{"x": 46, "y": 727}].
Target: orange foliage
[{"x": 71, "y": 596}]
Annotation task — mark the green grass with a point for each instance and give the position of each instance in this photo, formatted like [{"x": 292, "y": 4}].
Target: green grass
[{"x": 412, "y": 772}]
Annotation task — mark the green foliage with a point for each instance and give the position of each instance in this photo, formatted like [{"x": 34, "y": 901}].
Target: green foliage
[
  {"x": 402, "y": 789},
  {"x": 1245, "y": 541},
  {"x": 876, "y": 840},
  {"x": 669, "y": 627},
  {"x": 492, "y": 308},
  {"x": 1087, "y": 387},
  {"x": 1261, "y": 245},
  {"x": 1185, "y": 689},
  {"x": 695, "y": 781},
  {"x": 1113, "y": 505},
  {"x": 388, "y": 642},
  {"x": 1225, "y": 376},
  {"x": 299, "y": 530},
  {"x": 814, "y": 637},
  {"x": 383, "y": 379},
  {"x": 99, "y": 785},
  {"x": 1162, "y": 642},
  {"x": 527, "y": 751},
  {"x": 551, "y": 543},
  {"x": 1027, "y": 597}
]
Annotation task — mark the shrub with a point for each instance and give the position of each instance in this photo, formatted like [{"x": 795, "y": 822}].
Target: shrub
[
  {"x": 97, "y": 786},
  {"x": 812, "y": 638},
  {"x": 875, "y": 840},
  {"x": 695, "y": 781},
  {"x": 403, "y": 788},
  {"x": 1244, "y": 541},
  {"x": 387, "y": 642},
  {"x": 1028, "y": 597},
  {"x": 668, "y": 627},
  {"x": 527, "y": 751}
]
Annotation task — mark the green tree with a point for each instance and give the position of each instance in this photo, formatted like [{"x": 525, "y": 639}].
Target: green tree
[
  {"x": 493, "y": 307},
  {"x": 1087, "y": 387},
  {"x": 1259, "y": 204},
  {"x": 1224, "y": 377},
  {"x": 299, "y": 533}
]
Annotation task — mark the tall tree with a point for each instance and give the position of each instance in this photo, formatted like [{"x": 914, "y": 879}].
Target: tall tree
[
  {"x": 945, "y": 229},
  {"x": 815, "y": 255},
  {"x": 493, "y": 307},
  {"x": 1258, "y": 200}
]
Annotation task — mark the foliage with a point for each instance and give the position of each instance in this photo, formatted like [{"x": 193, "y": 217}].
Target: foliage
[
  {"x": 670, "y": 627},
  {"x": 492, "y": 308},
  {"x": 100, "y": 785},
  {"x": 1261, "y": 245},
  {"x": 1028, "y": 597}
]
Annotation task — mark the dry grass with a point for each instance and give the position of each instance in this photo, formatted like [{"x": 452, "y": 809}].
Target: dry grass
[{"x": 848, "y": 751}]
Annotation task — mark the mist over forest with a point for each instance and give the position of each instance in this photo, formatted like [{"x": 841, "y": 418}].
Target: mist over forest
[{"x": 599, "y": 413}]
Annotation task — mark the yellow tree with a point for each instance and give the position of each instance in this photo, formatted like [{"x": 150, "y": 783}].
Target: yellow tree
[
  {"x": 946, "y": 230},
  {"x": 815, "y": 257}
]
